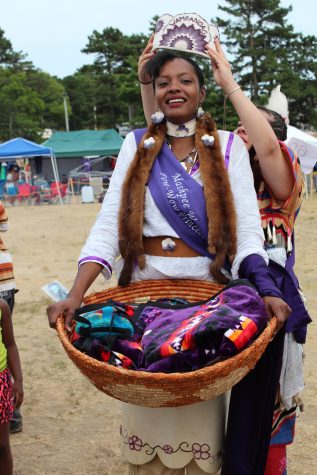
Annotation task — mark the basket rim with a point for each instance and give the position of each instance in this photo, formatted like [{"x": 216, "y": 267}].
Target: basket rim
[{"x": 268, "y": 332}]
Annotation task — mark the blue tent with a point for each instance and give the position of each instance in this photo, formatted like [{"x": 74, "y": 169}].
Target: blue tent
[{"x": 22, "y": 148}]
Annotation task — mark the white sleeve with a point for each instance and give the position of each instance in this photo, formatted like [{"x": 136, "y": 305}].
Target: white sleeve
[
  {"x": 250, "y": 238},
  {"x": 102, "y": 243}
]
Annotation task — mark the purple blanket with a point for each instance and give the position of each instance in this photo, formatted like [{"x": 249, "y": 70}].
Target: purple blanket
[{"x": 193, "y": 336}]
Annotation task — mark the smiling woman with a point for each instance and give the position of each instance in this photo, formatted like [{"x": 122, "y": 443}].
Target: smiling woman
[{"x": 170, "y": 220}]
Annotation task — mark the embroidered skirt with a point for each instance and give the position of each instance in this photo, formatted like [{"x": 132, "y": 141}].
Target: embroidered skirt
[{"x": 177, "y": 435}]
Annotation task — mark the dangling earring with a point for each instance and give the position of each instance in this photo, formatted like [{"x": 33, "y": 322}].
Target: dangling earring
[
  {"x": 200, "y": 112},
  {"x": 157, "y": 117}
]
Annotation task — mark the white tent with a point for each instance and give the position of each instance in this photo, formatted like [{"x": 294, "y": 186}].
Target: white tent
[{"x": 305, "y": 146}]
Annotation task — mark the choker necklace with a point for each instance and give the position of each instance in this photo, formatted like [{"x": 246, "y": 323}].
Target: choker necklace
[{"x": 182, "y": 130}]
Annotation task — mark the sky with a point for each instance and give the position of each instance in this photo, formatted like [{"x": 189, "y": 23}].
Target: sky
[{"x": 52, "y": 33}]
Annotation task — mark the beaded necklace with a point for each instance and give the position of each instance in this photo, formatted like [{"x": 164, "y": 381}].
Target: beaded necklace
[{"x": 189, "y": 160}]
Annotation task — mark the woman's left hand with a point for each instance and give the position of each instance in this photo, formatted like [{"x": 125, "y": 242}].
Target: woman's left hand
[
  {"x": 221, "y": 67},
  {"x": 276, "y": 307}
]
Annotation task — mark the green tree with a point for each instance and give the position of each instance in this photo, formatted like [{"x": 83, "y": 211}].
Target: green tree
[
  {"x": 50, "y": 90},
  {"x": 81, "y": 89},
  {"x": 20, "y": 106},
  {"x": 266, "y": 51},
  {"x": 258, "y": 39},
  {"x": 31, "y": 101},
  {"x": 115, "y": 71},
  {"x": 8, "y": 57}
]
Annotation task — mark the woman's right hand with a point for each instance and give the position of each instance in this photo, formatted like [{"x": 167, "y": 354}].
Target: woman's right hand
[
  {"x": 146, "y": 55},
  {"x": 64, "y": 307},
  {"x": 221, "y": 67}
]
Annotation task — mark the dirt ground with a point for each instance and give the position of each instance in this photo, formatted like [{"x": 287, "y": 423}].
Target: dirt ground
[{"x": 69, "y": 427}]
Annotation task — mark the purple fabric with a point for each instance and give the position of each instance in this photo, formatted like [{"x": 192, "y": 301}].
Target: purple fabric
[
  {"x": 299, "y": 318},
  {"x": 228, "y": 150},
  {"x": 97, "y": 259},
  {"x": 277, "y": 281},
  {"x": 189, "y": 338},
  {"x": 254, "y": 268},
  {"x": 179, "y": 198}
]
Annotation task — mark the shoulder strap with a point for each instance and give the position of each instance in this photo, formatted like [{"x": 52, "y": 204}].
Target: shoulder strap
[
  {"x": 117, "y": 307},
  {"x": 228, "y": 149}
]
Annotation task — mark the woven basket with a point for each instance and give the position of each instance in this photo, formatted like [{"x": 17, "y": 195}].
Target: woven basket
[{"x": 160, "y": 389}]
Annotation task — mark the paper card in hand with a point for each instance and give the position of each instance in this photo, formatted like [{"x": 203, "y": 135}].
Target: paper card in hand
[{"x": 55, "y": 290}]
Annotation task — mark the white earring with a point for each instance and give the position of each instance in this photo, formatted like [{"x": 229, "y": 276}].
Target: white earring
[{"x": 200, "y": 112}]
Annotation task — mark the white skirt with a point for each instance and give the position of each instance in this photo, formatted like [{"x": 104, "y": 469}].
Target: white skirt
[{"x": 177, "y": 435}]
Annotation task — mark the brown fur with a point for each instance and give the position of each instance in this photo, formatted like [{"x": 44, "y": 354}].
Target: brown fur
[
  {"x": 218, "y": 195},
  {"x": 219, "y": 200},
  {"x": 131, "y": 214}
]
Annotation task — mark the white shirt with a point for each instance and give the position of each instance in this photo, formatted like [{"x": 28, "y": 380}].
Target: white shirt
[{"x": 102, "y": 243}]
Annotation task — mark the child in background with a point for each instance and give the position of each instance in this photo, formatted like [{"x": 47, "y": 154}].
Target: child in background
[
  {"x": 11, "y": 393},
  {"x": 7, "y": 293}
]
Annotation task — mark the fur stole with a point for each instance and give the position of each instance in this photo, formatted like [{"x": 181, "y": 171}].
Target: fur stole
[{"x": 219, "y": 200}]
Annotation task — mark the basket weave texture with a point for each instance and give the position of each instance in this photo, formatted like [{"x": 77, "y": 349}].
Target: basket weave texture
[{"x": 160, "y": 389}]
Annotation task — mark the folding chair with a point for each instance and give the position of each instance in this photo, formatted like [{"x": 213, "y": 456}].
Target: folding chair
[
  {"x": 28, "y": 194},
  {"x": 53, "y": 197},
  {"x": 24, "y": 193}
]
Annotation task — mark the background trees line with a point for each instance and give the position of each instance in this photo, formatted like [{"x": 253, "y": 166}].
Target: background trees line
[{"x": 264, "y": 48}]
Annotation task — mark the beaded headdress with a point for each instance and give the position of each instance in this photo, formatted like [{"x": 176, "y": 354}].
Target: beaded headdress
[{"x": 186, "y": 32}]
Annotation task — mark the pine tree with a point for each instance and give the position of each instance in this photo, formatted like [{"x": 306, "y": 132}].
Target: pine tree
[{"x": 266, "y": 51}]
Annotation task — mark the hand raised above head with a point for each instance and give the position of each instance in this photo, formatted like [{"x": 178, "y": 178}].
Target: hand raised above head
[
  {"x": 146, "y": 55},
  {"x": 221, "y": 67}
]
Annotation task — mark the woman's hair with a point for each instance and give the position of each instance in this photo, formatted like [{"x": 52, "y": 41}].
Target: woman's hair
[
  {"x": 277, "y": 123},
  {"x": 14, "y": 167},
  {"x": 160, "y": 59}
]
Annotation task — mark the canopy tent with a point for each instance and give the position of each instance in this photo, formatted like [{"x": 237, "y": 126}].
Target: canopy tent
[
  {"x": 83, "y": 143},
  {"x": 22, "y": 148},
  {"x": 305, "y": 146}
]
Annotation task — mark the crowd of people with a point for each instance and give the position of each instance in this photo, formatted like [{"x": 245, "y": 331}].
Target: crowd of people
[{"x": 235, "y": 200}]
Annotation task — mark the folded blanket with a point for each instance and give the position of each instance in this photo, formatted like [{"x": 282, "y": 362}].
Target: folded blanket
[
  {"x": 173, "y": 336},
  {"x": 205, "y": 333}
]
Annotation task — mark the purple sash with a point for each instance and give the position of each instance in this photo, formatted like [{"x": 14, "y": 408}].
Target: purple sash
[{"x": 179, "y": 198}]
